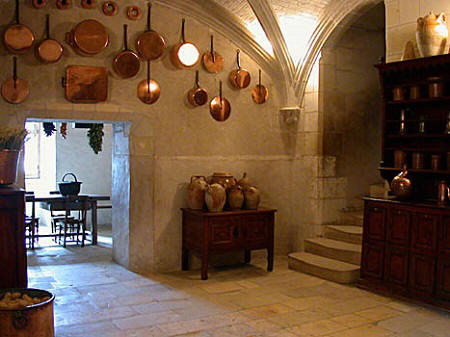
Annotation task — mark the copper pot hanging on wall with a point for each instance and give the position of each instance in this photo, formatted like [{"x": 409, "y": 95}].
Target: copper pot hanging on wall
[
  {"x": 260, "y": 92},
  {"x": 150, "y": 45},
  {"x": 184, "y": 54},
  {"x": 88, "y": 38},
  {"x": 148, "y": 90},
  {"x": 212, "y": 60},
  {"x": 239, "y": 78},
  {"x": 49, "y": 50},
  {"x": 18, "y": 38},
  {"x": 15, "y": 90},
  {"x": 220, "y": 108},
  {"x": 126, "y": 64},
  {"x": 197, "y": 96}
]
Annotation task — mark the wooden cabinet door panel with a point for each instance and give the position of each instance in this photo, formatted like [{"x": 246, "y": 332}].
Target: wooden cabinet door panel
[
  {"x": 223, "y": 232},
  {"x": 422, "y": 272},
  {"x": 396, "y": 265},
  {"x": 375, "y": 222},
  {"x": 372, "y": 262},
  {"x": 424, "y": 232},
  {"x": 443, "y": 278},
  {"x": 8, "y": 249},
  {"x": 398, "y": 227},
  {"x": 444, "y": 244},
  {"x": 255, "y": 229}
]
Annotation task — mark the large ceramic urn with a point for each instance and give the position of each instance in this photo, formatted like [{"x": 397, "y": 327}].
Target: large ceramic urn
[
  {"x": 235, "y": 197},
  {"x": 431, "y": 34},
  {"x": 196, "y": 192},
  {"x": 215, "y": 197},
  {"x": 251, "y": 197}
]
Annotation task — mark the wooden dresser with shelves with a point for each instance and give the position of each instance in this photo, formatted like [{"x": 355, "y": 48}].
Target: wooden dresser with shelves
[{"x": 406, "y": 243}]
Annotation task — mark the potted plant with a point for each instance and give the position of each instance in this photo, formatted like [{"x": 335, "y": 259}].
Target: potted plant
[{"x": 11, "y": 142}]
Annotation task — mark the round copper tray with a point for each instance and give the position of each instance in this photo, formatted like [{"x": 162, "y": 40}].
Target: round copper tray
[{"x": 90, "y": 37}]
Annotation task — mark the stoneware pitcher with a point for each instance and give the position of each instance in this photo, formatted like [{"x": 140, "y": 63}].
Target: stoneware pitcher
[
  {"x": 196, "y": 192},
  {"x": 215, "y": 197},
  {"x": 235, "y": 197},
  {"x": 251, "y": 197},
  {"x": 431, "y": 34}
]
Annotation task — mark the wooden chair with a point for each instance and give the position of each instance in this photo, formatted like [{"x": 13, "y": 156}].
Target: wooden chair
[
  {"x": 32, "y": 223},
  {"x": 68, "y": 226}
]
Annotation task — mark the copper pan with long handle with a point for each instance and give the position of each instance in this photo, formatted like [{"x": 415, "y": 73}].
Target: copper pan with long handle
[
  {"x": 220, "y": 108},
  {"x": 150, "y": 44},
  {"x": 18, "y": 38},
  {"x": 260, "y": 94},
  {"x": 197, "y": 96},
  {"x": 212, "y": 60},
  {"x": 126, "y": 64},
  {"x": 87, "y": 38},
  {"x": 239, "y": 78},
  {"x": 148, "y": 90},
  {"x": 15, "y": 90},
  {"x": 49, "y": 50}
]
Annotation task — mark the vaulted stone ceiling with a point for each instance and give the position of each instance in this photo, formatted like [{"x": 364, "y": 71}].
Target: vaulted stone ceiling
[{"x": 284, "y": 36}]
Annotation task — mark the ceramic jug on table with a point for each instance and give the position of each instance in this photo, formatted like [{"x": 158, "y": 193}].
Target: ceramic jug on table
[
  {"x": 196, "y": 192},
  {"x": 251, "y": 197},
  {"x": 431, "y": 34},
  {"x": 215, "y": 197},
  {"x": 235, "y": 197}
]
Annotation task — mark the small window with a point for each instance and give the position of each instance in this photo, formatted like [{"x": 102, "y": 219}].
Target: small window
[{"x": 32, "y": 160}]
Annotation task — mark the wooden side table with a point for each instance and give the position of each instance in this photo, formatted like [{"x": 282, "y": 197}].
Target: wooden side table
[{"x": 206, "y": 233}]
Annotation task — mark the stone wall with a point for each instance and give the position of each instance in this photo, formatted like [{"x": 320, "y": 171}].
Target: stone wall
[
  {"x": 351, "y": 107},
  {"x": 170, "y": 141},
  {"x": 401, "y": 22}
]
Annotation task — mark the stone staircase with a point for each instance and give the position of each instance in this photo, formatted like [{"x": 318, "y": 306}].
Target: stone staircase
[{"x": 337, "y": 255}]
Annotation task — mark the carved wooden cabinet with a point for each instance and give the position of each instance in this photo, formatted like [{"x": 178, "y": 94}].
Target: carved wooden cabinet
[
  {"x": 206, "y": 233},
  {"x": 406, "y": 249},
  {"x": 13, "y": 257}
]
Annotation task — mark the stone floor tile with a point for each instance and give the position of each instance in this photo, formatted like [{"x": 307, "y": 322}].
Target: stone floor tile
[
  {"x": 148, "y": 320},
  {"x": 401, "y": 306},
  {"x": 378, "y": 313},
  {"x": 295, "y": 318},
  {"x": 407, "y": 321},
  {"x": 262, "y": 325},
  {"x": 370, "y": 330},
  {"x": 221, "y": 287},
  {"x": 318, "y": 328},
  {"x": 266, "y": 311},
  {"x": 351, "y": 306},
  {"x": 85, "y": 329},
  {"x": 303, "y": 303},
  {"x": 237, "y": 330},
  {"x": 437, "y": 328},
  {"x": 351, "y": 320},
  {"x": 92, "y": 317}
]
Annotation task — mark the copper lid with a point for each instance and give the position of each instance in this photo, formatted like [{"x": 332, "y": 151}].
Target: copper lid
[
  {"x": 18, "y": 38},
  {"x": 15, "y": 91},
  {"x": 90, "y": 36},
  {"x": 50, "y": 50}
]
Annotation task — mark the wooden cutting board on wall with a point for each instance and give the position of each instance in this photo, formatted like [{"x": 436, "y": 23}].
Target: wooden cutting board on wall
[{"x": 86, "y": 84}]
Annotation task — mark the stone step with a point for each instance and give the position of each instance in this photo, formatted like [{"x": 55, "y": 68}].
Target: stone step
[
  {"x": 342, "y": 251},
  {"x": 350, "y": 234},
  {"x": 352, "y": 218},
  {"x": 329, "y": 269}
]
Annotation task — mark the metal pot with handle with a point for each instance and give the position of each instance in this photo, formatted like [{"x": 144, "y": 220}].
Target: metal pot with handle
[{"x": 69, "y": 187}]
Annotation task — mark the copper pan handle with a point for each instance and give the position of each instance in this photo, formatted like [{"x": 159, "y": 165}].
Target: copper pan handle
[
  {"x": 125, "y": 36},
  {"x": 149, "y": 14},
  {"x": 220, "y": 92},
  {"x": 47, "y": 26},
  {"x": 182, "y": 30},
  {"x": 212, "y": 49},
  {"x": 238, "y": 59},
  {"x": 15, "y": 72},
  {"x": 17, "y": 11},
  {"x": 148, "y": 76},
  {"x": 196, "y": 79}
]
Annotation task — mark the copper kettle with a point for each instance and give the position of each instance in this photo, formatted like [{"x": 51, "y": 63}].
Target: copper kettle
[
  {"x": 401, "y": 186},
  {"x": 443, "y": 193}
]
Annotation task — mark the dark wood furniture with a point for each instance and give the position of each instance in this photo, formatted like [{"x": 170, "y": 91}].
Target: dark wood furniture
[
  {"x": 13, "y": 258},
  {"x": 50, "y": 199},
  {"x": 406, "y": 244},
  {"x": 406, "y": 249},
  {"x": 206, "y": 233}
]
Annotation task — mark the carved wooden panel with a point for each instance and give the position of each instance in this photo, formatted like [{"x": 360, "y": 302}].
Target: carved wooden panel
[
  {"x": 255, "y": 228},
  {"x": 444, "y": 244},
  {"x": 372, "y": 263},
  {"x": 424, "y": 232},
  {"x": 398, "y": 227},
  {"x": 396, "y": 266},
  {"x": 375, "y": 222},
  {"x": 223, "y": 231},
  {"x": 422, "y": 272},
  {"x": 443, "y": 278}
]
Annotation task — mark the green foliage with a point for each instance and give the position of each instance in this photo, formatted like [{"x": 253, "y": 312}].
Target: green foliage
[
  {"x": 95, "y": 135},
  {"x": 12, "y": 138}
]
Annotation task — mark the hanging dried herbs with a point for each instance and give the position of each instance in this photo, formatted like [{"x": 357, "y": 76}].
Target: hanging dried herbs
[
  {"x": 49, "y": 128},
  {"x": 63, "y": 130},
  {"x": 95, "y": 135}
]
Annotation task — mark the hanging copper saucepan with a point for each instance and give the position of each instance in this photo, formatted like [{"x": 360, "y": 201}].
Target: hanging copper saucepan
[
  {"x": 18, "y": 38},
  {"x": 212, "y": 60},
  {"x": 220, "y": 108},
  {"x": 148, "y": 90},
  {"x": 126, "y": 64},
  {"x": 197, "y": 96},
  {"x": 39, "y": 3},
  {"x": 260, "y": 92},
  {"x": 185, "y": 54},
  {"x": 49, "y": 50},
  {"x": 63, "y": 4},
  {"x": 150, "y": 45},
  {"x": 88, "y": 38},
  {"x": 87, "y": 4},
  {"x": 134, "y": 13},
  {"x": 15, "y": 90},
  {"x": 239, "y": 78}
]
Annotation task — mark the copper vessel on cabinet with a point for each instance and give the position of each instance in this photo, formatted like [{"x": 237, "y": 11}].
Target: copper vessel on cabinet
[{"x": 401, "y": 186}]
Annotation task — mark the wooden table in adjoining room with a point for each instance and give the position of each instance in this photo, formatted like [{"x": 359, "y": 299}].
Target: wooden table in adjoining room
[{"x": 206, "y": 233}]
